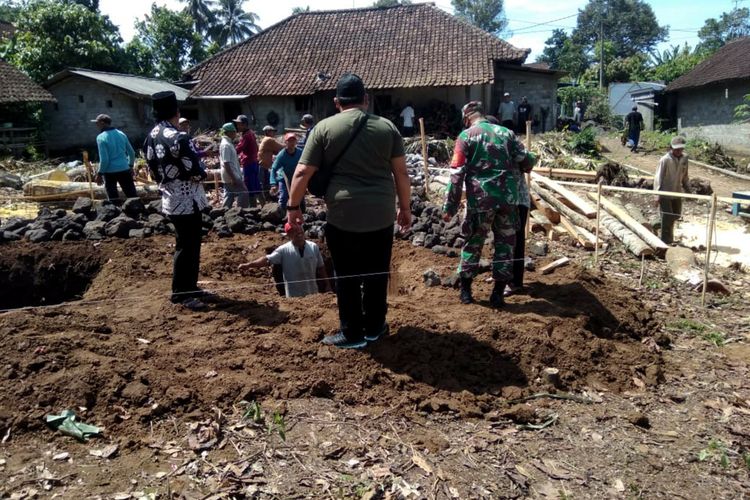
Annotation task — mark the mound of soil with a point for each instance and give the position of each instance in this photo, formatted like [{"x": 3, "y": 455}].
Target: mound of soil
[{"x": 128, "y": 355}]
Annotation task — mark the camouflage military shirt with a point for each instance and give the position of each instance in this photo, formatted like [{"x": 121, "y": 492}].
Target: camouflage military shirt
[{"x": 486, "y": 158}]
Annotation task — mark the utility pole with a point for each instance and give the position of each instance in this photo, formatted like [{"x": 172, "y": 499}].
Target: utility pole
[{"x": 601, "y": 53}]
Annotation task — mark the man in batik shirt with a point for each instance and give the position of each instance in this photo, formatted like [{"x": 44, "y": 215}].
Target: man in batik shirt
[
  {"x": 176, "y": 167},
  {"x": 487, "y": 158}
]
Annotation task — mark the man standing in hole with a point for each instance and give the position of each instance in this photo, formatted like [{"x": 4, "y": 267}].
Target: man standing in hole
[{"x": 367, "y": 176}]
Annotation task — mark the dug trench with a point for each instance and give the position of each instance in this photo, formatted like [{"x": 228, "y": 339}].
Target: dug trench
[{"x": 124, "y": 355}]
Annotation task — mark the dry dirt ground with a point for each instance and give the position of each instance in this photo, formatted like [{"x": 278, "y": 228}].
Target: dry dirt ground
[{"x": 242, "y": 401}]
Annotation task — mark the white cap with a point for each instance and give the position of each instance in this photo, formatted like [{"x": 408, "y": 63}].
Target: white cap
[
  {"x": 677, "y": 142},
  {"x": 507, "y": 94},
  {"x": 183, "y": 120}
]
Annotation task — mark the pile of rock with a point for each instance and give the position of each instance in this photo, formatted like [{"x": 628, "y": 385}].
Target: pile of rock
[{"x": 134, "y": 219}]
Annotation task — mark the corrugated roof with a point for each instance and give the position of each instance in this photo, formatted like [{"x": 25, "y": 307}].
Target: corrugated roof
[
  {"x": 728, "y": 63},
  {"x": 396, "y": 47},
  {"x": 16, "y": 86},
  {"x": 135, "y": 84}
]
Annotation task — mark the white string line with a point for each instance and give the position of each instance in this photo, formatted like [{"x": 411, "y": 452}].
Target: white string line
[{"x": 237, "y": 287}]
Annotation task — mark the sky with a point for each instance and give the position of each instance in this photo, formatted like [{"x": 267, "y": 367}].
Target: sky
[{"x": 530, "y": 21}]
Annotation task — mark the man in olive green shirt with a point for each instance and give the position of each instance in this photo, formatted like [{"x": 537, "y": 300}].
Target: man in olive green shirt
[{"x": 361, "y": 200}]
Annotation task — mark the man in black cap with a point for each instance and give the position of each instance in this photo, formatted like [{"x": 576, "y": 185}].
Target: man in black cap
[
  {"x": 175, "y": 165},
  {"x": 364, "y": 155}
]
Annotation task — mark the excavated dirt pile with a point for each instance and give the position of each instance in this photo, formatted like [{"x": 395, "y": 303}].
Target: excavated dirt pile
[{"x": 127, "y": 355}]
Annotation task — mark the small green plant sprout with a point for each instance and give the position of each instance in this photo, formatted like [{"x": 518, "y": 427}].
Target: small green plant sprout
[
  {"x": 715, "y": 451},
  {"x": 253, "y": 412},
  {"x": 277, "y": 424},
  {"x": 715, "y": 337}
]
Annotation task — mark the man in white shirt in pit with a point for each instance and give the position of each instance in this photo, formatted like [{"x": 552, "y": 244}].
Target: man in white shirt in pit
[
  {"x": 301, "y": 264},
  {"x": 506, "y": 113},
  {"x": 407, "y": 114}
]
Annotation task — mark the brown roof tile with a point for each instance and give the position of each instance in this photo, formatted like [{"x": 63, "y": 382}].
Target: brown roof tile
[
  {"x": 728, "y": 63},
  {"x": 15, "y": 86},
  {"x": 405, "y": 46}
]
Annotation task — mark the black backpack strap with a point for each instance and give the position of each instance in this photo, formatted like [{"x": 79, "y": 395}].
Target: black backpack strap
[{"x": 351, "y": 140}]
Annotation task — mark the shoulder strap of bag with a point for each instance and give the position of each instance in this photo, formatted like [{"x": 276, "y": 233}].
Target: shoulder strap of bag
[{"x": 361, "y": 125}]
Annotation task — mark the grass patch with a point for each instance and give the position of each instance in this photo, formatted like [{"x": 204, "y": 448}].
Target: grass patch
[{"x": 697, "y": 329}]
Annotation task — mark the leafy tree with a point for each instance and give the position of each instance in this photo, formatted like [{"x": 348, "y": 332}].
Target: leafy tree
[
  {"x": 51, "y": 36},
  {"x": 202, "y": 13},
  {"x": 715, "y": 33},
  {"x": 560, "y": 52},
  {"x": 573, "y": 59},
  {"x": 390, "y": 3},
  {"x": 9, "y": 11},
  {"x": 166, "y": 40},
  {"x": 486, "y": 14},
  {"x": 742, "y": 112},
  {"x": 553, "y": 47},
  {"x": 92, "y": 5},
  {"x": 672, "y": 67},
  {"x": 233, "y": 24},
  {"x": 629, "y": 24},
  {"x": 300, "y": 10}
]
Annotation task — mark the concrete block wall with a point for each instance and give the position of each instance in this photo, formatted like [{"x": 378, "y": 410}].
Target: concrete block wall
[
  {"x": 708, "y": 113},
  {"x": 539, "y": 88},
  {"x": 68, "y": 124}
]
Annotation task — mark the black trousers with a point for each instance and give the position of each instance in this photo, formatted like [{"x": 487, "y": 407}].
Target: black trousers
[
  {"x": 362, "y": 300},
  {"x": 187, "y": 255},
  {"x": 124, "y": 179},
  {"x": 519, "y": 251}
]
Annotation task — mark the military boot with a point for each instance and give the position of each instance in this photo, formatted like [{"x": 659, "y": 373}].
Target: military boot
[
  {"x": 496, "y": 298},
  {"x": 466, "y": 297}
]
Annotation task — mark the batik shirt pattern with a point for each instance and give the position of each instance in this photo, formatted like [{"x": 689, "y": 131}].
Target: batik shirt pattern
[
  {"x": 175, "y": 165},
  {"x": 486, "y": 159}
]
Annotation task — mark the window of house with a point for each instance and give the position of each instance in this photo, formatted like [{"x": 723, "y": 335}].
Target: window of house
[
  {"x": 56, "y": 107},
  {"x": 109, "y": 103},
  {"x": 80, "y": 98},
  {"x": 190, "y": 113},
  {"x": 302, "y": 103}
]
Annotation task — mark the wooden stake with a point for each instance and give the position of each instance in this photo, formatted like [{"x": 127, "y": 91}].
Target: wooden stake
[
  {"x": 87, "y": 164},
  {"x": 709, "y": 238},
  {"x": 554, "y": 265},
  {"x": 424, "y": 157},
  {"x": 598, "y": 220},
  {"x": 643, "y": 268}
]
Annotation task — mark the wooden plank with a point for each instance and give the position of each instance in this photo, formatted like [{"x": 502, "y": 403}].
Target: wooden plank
[
  {"x": 563, "y": 261},
  {"x": 650, "y": 238},
  {"x": 552, "y": 214},
  {"x": 671, "y": 194},
  {"x": 571, "y": 214},
  {"x": 582, "y": 205},
  {"x": 573, "y": 230}
]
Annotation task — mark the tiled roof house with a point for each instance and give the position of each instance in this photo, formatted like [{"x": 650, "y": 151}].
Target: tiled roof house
[
  {"x": 707, "y": 96},
  {"x": 415, "y": 53},
  {"x": 17, "y": 87}
]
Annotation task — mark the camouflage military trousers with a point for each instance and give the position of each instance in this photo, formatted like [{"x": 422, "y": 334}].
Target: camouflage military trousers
[{"x": 503, "y": 222}]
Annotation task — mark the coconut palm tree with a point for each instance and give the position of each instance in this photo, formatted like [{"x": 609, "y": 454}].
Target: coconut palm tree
[
  {"x": 202, "y": 13},
  {"x": 232, "y": 24}
]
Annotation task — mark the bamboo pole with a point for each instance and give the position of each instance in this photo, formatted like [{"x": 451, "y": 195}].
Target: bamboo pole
[
  {"x": 424, "y": 157},
  {"x": 528, "y": 179},
  {"x": 598, "y": 220},
  {"x": 87, "y": 164},
  {"x": 709, "y": 238},
  {"x": 673, "y": 194}
]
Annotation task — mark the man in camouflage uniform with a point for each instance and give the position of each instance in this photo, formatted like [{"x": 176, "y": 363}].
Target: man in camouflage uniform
[{"x": 490, "y": 159}]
